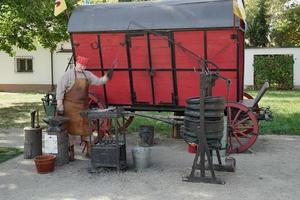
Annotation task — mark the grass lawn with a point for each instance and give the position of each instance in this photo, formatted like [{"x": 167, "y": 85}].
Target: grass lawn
[
  {"x": 285, "y": 105},
  {"x": 8, "y": 153},
  {"x": 15, "y": 108}
]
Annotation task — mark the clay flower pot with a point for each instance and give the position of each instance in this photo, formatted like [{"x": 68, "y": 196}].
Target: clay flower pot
[{"x": 45, "y": 163}]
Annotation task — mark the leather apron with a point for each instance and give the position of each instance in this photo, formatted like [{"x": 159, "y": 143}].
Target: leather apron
[{"x": 76, "y": 100}]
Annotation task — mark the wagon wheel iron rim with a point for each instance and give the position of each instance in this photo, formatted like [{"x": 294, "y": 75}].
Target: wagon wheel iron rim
[
  {"x": 247, "y": 95},
  {"x": 243, "y": 128}
]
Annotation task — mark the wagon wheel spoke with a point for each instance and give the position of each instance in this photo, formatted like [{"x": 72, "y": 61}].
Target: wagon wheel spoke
[
  {"x": 236, "y": 116},
  {"x": 104, "y": 124},
  {"x": 242, "y": 133},
  {"x": 244, "y": 127},
  {"x": 241, "y": 121},
  {"x": 237, "y": 138}
]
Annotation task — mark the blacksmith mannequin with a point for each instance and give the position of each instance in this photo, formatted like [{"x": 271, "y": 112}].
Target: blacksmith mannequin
[{"x": 72, "y": 97}]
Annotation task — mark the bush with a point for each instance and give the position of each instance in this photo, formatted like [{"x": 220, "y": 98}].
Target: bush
[{"x": 277, "y": 69}]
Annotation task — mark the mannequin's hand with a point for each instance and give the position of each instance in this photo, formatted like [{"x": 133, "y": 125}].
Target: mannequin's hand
[
  {"x": 110, "y": 74},
  {"x": 60, "y": 112}
]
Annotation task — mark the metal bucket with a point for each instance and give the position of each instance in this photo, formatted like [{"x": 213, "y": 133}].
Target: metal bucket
[
  {"x": 146, "y": 134},
  {"x": 141, "y": 157}
]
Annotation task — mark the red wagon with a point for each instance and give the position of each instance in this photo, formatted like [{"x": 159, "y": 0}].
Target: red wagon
[{"x": 155, "y": 49}]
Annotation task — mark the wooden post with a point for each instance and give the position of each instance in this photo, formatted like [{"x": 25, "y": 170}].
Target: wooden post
[
  {"x": 176, "y": 127},
  {"x": 62, "y": 156}
]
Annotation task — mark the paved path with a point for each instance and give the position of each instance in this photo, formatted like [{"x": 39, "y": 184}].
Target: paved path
[{"x": 272, "y": 172}]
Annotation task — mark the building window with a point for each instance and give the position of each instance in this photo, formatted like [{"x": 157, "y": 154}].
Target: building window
[{"x": 24, "y": 64}]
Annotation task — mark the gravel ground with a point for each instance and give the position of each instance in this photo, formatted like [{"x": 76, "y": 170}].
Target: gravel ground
[{"x": 271, "y": 171}]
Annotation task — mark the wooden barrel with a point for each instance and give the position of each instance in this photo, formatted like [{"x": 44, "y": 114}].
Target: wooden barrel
[
  {"x": 32, "y": 142},
  {"x": 213, "y": 114}
]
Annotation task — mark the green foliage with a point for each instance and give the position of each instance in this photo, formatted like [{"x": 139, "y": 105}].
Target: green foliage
[
  {"x": 24, "y": 23},
  {"x": 282, "y": 22},
  {"x": 258, "y": 28},
  {"x": 277, "y": 69},
  {"x": 286, "y": 30},
  {"x": 159, "y": 126}
]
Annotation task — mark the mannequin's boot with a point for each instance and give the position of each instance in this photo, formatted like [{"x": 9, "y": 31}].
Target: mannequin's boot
[{"x": 71, "y": 153}]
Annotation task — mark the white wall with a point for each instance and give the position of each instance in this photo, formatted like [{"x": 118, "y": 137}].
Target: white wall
[
  {"x": 41, "y": 67},
  {"x": 249, "y": 60}
]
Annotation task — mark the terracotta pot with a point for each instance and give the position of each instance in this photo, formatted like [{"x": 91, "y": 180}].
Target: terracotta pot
[{"x": 44, "y": 163}]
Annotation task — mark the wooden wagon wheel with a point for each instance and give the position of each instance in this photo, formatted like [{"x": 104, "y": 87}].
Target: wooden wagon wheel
[
  {"x": 127, "y": 121},
  {"x": 242, "y": 127},
  {"x": 105, "y": 124},
  {"x": 247, "y": 95}
]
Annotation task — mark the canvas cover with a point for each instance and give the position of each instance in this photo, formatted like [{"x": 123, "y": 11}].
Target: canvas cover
[{"x": 163, "y": 15}]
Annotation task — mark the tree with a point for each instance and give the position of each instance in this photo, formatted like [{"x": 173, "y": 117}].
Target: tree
[
  {"x": 282, "y": 19},
  {"x": 286, "y": 29},
  {"x": 258, "y": 28},
  {"x": 23, "y": 24}
]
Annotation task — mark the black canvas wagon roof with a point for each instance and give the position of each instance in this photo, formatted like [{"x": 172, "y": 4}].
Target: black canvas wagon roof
[{"x": 176, "y": 14}]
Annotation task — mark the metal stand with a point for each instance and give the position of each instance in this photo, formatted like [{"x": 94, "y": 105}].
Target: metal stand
[
  {"x": 206, "y": 83},
  {"x": 110, "y": 151}
]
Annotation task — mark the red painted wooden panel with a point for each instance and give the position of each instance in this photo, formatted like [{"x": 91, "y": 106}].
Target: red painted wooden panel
[
  {"x": 161, "y": 59},
  {"x": 140, "y": 59},
  {"x": 118, "y": 89},
  {"x": 139, "y": 52},
  {"x": 113, "y": 50},
  {"x": 188, "y": 86},
  {"x": 160, "y": 52},
  {"x": 220, "y": 88},
  {"x": 221, "y": 49},
  {"x": 142, "y": 87},
  {"x": 193, "y": 41},
  {"x": 114, "y": 54},
  {"x": 241, "y": 63},
  {"x": 163, "y": 82},
  {"x": 86, "y": 45}
]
